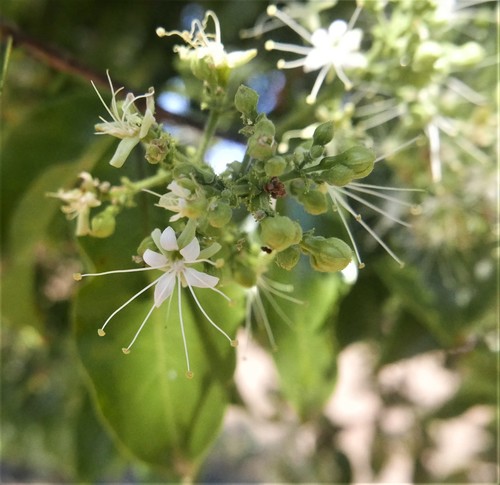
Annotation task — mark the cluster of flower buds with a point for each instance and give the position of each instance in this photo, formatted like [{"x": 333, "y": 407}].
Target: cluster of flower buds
[{"x": 203, "y": 210}]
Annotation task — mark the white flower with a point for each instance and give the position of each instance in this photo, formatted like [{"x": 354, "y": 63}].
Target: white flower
[
  {"x": 176, "y": 264},
  {"x": 207, "y": 46},
  {"x": 334, "y": 48},
  {"x": 127, "y": 123},
  {"x": 79, "y": 202},
  {"x": 176, "y": 201}
]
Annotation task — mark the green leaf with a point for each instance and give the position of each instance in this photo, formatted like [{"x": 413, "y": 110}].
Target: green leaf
[
  {"x": 150, "y": 407},
  {"x": 31, "y": 231},
  {"x": 306, "y": 356}
]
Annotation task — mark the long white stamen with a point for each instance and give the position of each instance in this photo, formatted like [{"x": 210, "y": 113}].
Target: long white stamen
[
  {"x": 398, "y": 149},
  {"x": 354, "y": 17},
  {"x": 358, "y": 218},
  {"x": 336, "y": 200},
  {"x": 311, "y": 99},
  {"x": 189, "y": 373},
  {"x": 432, "y": 132},
  {"x": 273, "y": 287},
  {"x": 127, "y": 349},
  {"x": 373, "y": 206},
  {"x": 105, "y": 105},
  {"x": 101, "y": 330},
  {"x": 234, "y": 343},
  {"x": 465, "y": 91},
  {"x": 265, "y": 320},
  {"x": 295, "y": 49},
  {"x": 78, "y": 276},
  {"x": 276, "y": 307},
  {"x": 382, "y": 118},
  {"x": 272, "y": 11}
]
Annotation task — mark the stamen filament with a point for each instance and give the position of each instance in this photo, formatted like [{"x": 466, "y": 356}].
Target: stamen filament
[
  {"x": 189, "y": 373},
  {"x": 232, "y": 341},
  {"x": 127, "y": 349},
  {"x": 101, "y": 330}
]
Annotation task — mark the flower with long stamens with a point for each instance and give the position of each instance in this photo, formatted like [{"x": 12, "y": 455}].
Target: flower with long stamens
[
  {"x": 205, "y": 46},
  {"x": 334, "y": 48},
  {"x": 79, "y": 201},
  {"x": 175, "y": 263},
  {"x": 126, "y": 122},
  {"x": 181, "y": 200}
]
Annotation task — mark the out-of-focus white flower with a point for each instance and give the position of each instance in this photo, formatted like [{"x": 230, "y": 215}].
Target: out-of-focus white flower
[
  {"x": 175, "y": 263},
  {"x": 79, "y": 201},
  {"x": 202, "y": 45},
  {"x": 334, "y": 48},
  {"x": 127, "y": 123}
]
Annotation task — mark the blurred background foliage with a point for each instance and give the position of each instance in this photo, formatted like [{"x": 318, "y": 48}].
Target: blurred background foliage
[{"x": 443, "y": 305}]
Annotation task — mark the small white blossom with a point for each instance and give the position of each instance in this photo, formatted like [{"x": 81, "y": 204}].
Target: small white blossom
[
  {"x": 127, "y": 123},
  {"x": 176, "y": 201},
  {"x": 202, "y": 45},
  {"x": 175, "y": 263},
  {"x": 334, "y": 48},
  {"x": 79, "y": 201}
]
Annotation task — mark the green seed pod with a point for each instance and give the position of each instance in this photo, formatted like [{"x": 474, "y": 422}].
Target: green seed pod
[
  {"x": 104, "y": 223},
  {"x": 326, "y": 254},
  {"x": 323, "y": 134},
  {"x": 338, "y": 176},
  {"x": 355, "y": 163},
  {"x": 245, "y": 276},
  {"x": 220, "y": 215},
  {"x": 279, "y": 232},
  {"x": 316, "y": 151},
  {"x": 288, "y": 258},
  {"x": 245, "y": 101},
  {"x": 275, "y": 166},
  {"x": 314, "y": 202}
]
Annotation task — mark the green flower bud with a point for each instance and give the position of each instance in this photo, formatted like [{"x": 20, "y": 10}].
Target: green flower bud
[
  {"x": 288, "y": 258},
  {"x": 104, "y": 223},
  {"x": 326, "y": 254},
  {"x": 261, "y": 145},
  {"x": 220, "y": 215},
  {"x": 314, "y": 202},
  {"x": 245, "y": 276},
  {"x": 157, "y": 150},
  {"x": 323, "y": 134},
  {"x": 279, "y": 232},
  {"x": 146, "y": 243},
  {"x": 426, "y": 55},
  {"x": 186, "y": 169},
  {"x": 275, "y": 166},
  {"x": 355, "y": 163},
  {"x": 316, "y": 151},
  {"x": 245, "y": 101}
]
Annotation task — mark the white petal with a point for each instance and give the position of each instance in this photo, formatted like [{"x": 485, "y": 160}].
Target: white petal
[
  {"x": 164, "y": 288},
  {"x": 154, "y": 259},
  {"x": 178, "y": 190},
  {"x": 337, "y": 29},
  {"x": 197, "y": 278},
  {"x": 155, "y": 236},
  {"x": 191, "y": 251},
  {"x": 168, "y": 240}
]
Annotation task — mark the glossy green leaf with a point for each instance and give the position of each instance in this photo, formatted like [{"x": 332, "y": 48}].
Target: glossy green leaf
[{"x": 152, "y": 409}]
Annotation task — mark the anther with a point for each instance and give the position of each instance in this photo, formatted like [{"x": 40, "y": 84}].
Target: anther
[
  {"x": 101, "y": 332},
  {"x": 126, "y": 351},
  {"x": 189, "y": 374},
  {"x": 77, "y": 276}
]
